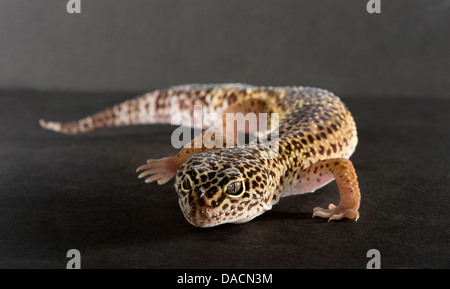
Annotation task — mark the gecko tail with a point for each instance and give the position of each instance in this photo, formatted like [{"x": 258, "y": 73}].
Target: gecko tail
[
  {"x": 154, "y": 107},
  {"x": 55, "y": 126},
  {"x": 70, "y": 128},
  {"x": 141, "y": 110}
]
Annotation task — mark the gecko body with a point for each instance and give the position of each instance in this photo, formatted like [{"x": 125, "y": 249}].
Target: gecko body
[{"x": 316, "y": 135}]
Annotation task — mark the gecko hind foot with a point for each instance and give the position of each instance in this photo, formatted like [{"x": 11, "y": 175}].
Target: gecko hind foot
[
  {"x": 160, "y": 170},
  {"x": 335, "y": 213}
]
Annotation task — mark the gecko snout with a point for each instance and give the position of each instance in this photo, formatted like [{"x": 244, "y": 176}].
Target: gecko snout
[{"x": 206, "y": 212}]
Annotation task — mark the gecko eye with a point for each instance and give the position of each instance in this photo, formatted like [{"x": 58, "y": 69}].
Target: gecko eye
[
  {"x": 235, "y": 189},
  {"x": 186, "y": 184}
]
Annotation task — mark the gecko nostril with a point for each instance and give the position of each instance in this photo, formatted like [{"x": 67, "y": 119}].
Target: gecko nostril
[{"x": 206, "y": 211}]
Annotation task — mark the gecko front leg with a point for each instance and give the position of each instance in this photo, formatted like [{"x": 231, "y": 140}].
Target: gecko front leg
[
  {"x": 160, "y": 170},
  {"x": 225, "y": 135},
  {"x": 343, "y": 171},
  {"x": 164, "y": 169}
]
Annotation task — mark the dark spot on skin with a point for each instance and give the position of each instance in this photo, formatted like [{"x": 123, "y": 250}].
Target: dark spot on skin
[
  {"x": 201, "y": 201},
  {"x": 223, "y": 182},
  {"x": 211, "y": 192},
  {"x": 321, "y": 150},
  {"x": 252, "y": 205},
  {"x": 191, "y": 174},
  {"x": 231, "y": 99},
  {"x": 310, "y": 139}
]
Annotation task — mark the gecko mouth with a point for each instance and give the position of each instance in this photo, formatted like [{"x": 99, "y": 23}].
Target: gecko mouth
[
  {"x": 203, "y": 218},
  {"x": 206, "y": 218}
]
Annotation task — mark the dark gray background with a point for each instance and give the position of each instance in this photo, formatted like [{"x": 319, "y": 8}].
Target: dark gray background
[{"x": 116, "y": 45}]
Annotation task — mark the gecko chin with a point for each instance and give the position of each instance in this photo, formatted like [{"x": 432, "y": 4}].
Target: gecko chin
[{"x": 215, "y": 188}]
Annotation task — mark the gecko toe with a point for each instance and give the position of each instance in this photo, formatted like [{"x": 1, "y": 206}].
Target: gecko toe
[
  {"x": 335, "y": 213},
  {"x": 160, "y": 170}
]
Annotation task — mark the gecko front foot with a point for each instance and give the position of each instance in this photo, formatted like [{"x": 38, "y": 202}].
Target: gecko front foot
[
  {"x": 335, "y": 213},
  {"x": 161, "y": 170}
]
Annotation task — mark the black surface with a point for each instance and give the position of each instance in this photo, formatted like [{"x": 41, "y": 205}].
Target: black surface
[{"x": 60, "y": 192}]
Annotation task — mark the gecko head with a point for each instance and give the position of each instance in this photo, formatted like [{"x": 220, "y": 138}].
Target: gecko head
[{"x": 222, "y": 186}]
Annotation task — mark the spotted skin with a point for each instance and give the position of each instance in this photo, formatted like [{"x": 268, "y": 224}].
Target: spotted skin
[
  {"x": 316, "y": 136},
  {"x": 207, "y": 204}
]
